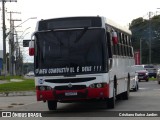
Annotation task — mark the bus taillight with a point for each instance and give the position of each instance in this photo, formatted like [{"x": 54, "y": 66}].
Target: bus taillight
[
  {"x": 31, "y": 48},
  {"x": 114, "y": 38}
]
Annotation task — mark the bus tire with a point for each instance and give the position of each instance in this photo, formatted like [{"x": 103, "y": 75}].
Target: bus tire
[
  {"x": 126, "y": 93},
  {"x": 52, "y": 105},
  {"x": 111, "y": 101}
]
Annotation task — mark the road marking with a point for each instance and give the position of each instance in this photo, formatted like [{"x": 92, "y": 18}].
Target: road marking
[
  {"x": 143, "y": 88},
  {"x": 156, "y": 89}
]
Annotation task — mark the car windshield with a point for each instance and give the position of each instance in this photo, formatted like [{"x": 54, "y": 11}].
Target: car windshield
[
  {"x": 137, "y": 68},
  {"x": 148, "y": 66}
]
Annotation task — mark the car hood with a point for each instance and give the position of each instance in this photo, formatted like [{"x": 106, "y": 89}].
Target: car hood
[{"x": 141, "y": 71}]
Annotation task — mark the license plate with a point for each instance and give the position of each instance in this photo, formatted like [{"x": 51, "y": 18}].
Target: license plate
[
  {"x": 70, "y": 93},
  {"x": 140, "y": 77}
]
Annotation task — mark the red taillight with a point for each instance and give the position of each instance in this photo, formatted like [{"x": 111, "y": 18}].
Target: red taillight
[
  {"x": 31, "y": 51},
  {"x": 31, "y": 48},
  {"x": 114, "y": 38}
]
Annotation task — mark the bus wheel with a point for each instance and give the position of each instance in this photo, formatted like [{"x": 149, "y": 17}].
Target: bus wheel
[
  {"x": 111, "y": 101},
  {"x": 126, "y": 93},
  {"x": 52, "y": 105}
]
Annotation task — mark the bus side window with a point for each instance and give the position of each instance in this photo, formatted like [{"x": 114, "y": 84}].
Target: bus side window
[
  {"x": 122, "y": 49},
  {"x": 109, "y": 45},
  {"x": 119, "y": 44},
  {"x": 123, "y": 44}
]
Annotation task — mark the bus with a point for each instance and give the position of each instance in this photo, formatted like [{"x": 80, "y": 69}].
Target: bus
[{"x": 81, "y": 59}]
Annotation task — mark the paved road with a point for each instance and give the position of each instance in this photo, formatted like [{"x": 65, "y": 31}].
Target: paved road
[{"x": 146, "y": 99}]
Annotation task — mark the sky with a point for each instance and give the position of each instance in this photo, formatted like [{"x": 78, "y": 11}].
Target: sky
[{"x": 120, "y": 11}]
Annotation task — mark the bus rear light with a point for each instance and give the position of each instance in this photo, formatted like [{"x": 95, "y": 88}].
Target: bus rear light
[
  {"x": 48, "y": 88},
  {"x": 114, "y": 38},
  {"x": 31, "y": 48},
  {"x": 92, "y": 86},
  {"x": 98, "y": 85},
  {"x": 42, "y": 88}
]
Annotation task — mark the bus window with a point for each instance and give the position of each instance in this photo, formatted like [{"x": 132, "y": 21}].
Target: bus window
[{"x": 109, "y": 45}]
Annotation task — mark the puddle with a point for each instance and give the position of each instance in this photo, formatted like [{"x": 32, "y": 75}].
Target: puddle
[{"x": 10, "y": 106}]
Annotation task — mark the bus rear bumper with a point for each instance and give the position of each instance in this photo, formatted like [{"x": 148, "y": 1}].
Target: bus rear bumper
[{"x": 73, "y": 95}]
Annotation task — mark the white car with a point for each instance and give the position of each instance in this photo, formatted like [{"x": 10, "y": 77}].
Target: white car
[
  {"x": 158, "y": 76},
  {"x": 134, "y": 81},
  {"x": 134, "y": 84},
  {"x": 30, "y": 74}
]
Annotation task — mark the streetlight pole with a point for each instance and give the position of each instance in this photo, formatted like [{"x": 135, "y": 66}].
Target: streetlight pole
[
  {"x": 24, "y": 31},
  {"x": 4, "y": 38},
  {"x": 26, "y": 21},
  {"x": 4, "y": 34},
  {"x": 150, "y": 37},
  {"x": 21, "y": 24},
  {"x": 140, "y": 51}
]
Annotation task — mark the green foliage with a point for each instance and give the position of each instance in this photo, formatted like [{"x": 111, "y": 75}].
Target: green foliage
[
  {"x": 142, "y": 30},
  {"x": 153, "y": 79},
  {"x": 136, "y": 22},
  {"x": 25, "y": 85},
  {"x": 10, "y": 77}
]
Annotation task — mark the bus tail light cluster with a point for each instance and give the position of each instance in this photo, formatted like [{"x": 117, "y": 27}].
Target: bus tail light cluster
[
  {"x": 98, "y": 85},
  {"x": 42, "y": 88},
  {"x": 31, "y": 48},
  {"x": 114, "y": 38}
]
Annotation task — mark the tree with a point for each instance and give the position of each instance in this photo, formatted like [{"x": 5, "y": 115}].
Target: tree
[{"x": 140, "y": 30}]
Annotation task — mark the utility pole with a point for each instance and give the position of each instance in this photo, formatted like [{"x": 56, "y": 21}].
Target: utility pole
[
  {"x": 4, "y": 37},
  {"x": 150, "y": 37},
  {"x": 4, "y": 34},
  {"x": 11, "y": 42},
  {"x": 12, "y": 57},
  {"x": 140, "y": 51}
]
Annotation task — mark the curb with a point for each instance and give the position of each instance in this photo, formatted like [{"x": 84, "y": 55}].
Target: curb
[{"x": 17, "y": 93}]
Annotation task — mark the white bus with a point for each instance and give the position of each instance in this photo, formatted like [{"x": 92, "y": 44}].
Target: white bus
[{"x": 80, "y": 59}]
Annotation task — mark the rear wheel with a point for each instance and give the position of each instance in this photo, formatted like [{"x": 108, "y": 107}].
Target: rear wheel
[
  {"x": 125, "y": 95},
  {"x": 52, "y": 105},
  {"x": 111, "y": 101},
  {"x": 158, "y": 82}
]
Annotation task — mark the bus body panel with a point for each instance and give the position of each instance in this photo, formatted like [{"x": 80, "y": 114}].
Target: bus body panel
[{"x": 84, "y": 93}]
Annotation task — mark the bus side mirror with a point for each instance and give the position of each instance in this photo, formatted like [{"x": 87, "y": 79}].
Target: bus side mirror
[
  {"x": 114, "y": 38},
  {"x": 31, "y": 48}
]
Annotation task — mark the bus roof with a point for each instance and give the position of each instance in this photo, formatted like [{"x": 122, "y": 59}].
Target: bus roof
[
  {"x": 117, "y": 26},
  {"x": 83, "y": 21}
]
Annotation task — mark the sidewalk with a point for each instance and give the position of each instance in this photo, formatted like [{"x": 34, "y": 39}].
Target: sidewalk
[
  {"x": 15, "y": 101},
  {"x": 3, "y": 81},
  {"x": 17, "y": 93}
]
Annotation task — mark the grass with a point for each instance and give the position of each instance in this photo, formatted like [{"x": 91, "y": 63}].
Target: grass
[
  {"x": 10, "y": 77},
  {"x": 153, "y": 79},
  {"x": 25, "y": 85}
]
